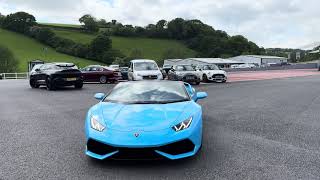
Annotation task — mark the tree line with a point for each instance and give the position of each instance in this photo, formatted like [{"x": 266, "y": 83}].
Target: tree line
[{"x": 197, "y": 35}]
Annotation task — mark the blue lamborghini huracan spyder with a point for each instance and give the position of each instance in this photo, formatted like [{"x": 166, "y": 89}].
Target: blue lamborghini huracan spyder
[{"x": 145, "y": 120}]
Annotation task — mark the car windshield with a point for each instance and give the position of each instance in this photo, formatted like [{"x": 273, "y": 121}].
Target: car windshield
[
  {"x": 185, "y": 68},
  {"x": 210, "y": 67},
  {"x": 145, "y": 66},
  {"x": 148, "y": 93},
  {"x": 65, "y": 66},
  {"x": 37, "y": 66}
]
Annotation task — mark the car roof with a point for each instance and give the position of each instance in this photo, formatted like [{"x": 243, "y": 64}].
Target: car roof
[
  {"x": 61, "y": 64},
  {"x": 142, "y": 60},
  {"x": 183, "y": 65}
]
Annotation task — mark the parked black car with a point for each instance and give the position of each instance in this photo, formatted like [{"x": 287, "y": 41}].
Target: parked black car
[
  {"x": 184, "y": 73},
  {"x": 124, "y": 72},
  {"x": 53, "y": 75}
]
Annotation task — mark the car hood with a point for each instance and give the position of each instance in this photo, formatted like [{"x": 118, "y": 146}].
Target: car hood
[
  {"x": 183, "y": 73},
  {"x": 215, "y": 71},
  {"x": 143, "y": 117},
  {"x": 147, "y": 73}
]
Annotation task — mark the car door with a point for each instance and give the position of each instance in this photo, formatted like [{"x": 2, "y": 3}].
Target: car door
[
  {"x": 130, "y": 71},
  {"x": 91, "y": 74},
  {"x": 41, "y": 75},
  {"x": 85, "y": 73}
]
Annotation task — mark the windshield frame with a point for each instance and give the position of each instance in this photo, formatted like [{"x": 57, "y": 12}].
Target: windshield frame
[
  {"x": 145, "y": 62},
  {"x": 188, "y": 98}
]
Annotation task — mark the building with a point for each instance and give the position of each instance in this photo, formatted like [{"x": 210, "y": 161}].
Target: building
[
  {"x": 259, "y": 60},
  {"x": 223, "y": 63}
]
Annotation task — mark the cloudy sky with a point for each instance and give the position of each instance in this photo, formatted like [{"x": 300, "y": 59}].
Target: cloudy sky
[{"x": 269, "y": 23}]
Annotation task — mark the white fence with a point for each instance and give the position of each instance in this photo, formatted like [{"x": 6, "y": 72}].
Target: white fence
[{"x": 14, "y": 75}]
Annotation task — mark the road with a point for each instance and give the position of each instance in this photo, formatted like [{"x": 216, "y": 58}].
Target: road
[{"x": 252, "y": 130}]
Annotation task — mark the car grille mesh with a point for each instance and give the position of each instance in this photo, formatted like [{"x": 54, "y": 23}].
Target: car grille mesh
[{"x": 176, "y": 148}]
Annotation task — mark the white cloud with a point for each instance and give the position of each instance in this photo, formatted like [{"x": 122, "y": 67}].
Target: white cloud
[{"x": 269, "y": 23}]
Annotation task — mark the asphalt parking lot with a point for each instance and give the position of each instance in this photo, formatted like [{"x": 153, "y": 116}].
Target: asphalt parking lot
[{"x": 252, "y": 130}]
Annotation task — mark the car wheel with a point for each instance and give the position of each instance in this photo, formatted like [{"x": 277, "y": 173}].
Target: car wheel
[
  {"x": 34, "y": 84},
  {"x": 205, "y": 78},
  {"x": 78, "y": 85},
  {"x": 103, "y": 80},
  {"x": 50, "y": 85}
]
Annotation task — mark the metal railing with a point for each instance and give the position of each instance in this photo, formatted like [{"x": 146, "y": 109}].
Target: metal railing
[{"x": 14, "y": 76}]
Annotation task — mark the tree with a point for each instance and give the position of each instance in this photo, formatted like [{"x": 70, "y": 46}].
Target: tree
[
  {"x": 111, "y": 55},
  {"x": 99, "y": 45},
  {"x": 103, "y": 23},
  {"x": 19, "y": 22},
  {"x": 8, "y": 63},
  {"x": 175, "y": 28},
  {"x": 90, "y": 23},
  {"x": 2, "y": 17}
]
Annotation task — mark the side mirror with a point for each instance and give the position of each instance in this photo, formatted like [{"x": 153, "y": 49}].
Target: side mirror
[
  {"x": 201, "y": 95},
  {"x": 99, "y": 96},
  {"x": 37, "y": 70},
  {"x": 129, "y": 70}
]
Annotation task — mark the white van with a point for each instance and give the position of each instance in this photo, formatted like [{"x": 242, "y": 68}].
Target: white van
[{"x": 144, "y": 69}]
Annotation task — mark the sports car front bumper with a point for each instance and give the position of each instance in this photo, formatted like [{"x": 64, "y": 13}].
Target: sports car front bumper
[{"x": 138, "y": 144}]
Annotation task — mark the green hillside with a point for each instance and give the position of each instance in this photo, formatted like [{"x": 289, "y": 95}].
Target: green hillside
[
  {"x": 26, "y": 49},
  {"x": 151, "y": 48}
]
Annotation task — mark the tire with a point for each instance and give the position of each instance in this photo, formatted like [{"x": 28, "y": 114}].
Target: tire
[
  {"x": 78, "y": 85},
  {"x": 33, "y": 84},
  {"x": 205, "y": 78},
  {"x": 50, "y": 85},
  {"x": 197, "y": 83},
  {"x": 224, "y": 81},
  {"x": 103, "y": 80}
]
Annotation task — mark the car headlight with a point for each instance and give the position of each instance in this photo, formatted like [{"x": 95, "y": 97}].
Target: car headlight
[
  {"x": 96, "y": 125},
  {"x": 183, "y": 125}
]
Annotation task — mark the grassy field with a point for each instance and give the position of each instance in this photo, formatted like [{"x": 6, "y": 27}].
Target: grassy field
[
  {"x": 151, "y": 48},
  {"x": 26, "y": 49}
]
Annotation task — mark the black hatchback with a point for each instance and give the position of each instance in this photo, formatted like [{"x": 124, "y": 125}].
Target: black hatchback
[{"x": 53, "y": 75}]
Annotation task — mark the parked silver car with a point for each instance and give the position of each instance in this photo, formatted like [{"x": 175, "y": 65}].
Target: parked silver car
[{"x": 184, "y": 73}]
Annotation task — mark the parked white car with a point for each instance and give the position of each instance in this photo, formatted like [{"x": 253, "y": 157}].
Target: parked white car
[
  {"x": 144, "y": 69},
  {"x": 212, "y": 73}
]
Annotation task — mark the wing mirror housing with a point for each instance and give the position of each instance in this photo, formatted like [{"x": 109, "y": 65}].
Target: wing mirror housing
[
  {"x": 37, "y": 70},
  {"x": 99, "y": 96},
  {"x": 201, "y": 95}
]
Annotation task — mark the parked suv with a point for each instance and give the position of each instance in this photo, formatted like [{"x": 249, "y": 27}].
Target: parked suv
[
  {"x": 184, "y": 73},
  {"x": 53, "y": 75},
  {"x": 97, "y": 73},
  {"x": 144, "y": 69},
  {"x": 212, "y": 73}
]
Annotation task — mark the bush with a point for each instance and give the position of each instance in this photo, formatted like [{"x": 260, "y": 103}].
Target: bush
[
  {"x": 110, "y": 56},
  {"x": 99, "y": 46},
  {"x": 8, "y": 63},
  {"x": 44, "y": 35}
]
